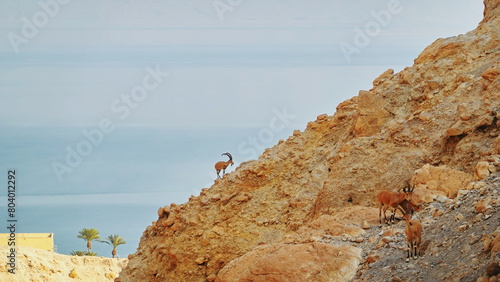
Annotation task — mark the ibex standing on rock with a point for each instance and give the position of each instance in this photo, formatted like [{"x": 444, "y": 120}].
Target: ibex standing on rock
[
  {"x": 407, "y": 205},
  {"x": 413, "y": 233},
  {"x": 223, "y": 165},
  {"x": 390, "y": 199}
]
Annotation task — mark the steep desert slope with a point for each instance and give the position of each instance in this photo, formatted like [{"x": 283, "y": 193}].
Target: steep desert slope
[{"x": 434, "y": 123}]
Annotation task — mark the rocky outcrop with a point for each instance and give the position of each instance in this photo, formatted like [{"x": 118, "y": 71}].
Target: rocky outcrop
[
  {"x": 441, "y": 180},
  {"x": 41, "y": 265},
  {"x": 438, "y": 117},
  {"x": 294, "y": 262}
]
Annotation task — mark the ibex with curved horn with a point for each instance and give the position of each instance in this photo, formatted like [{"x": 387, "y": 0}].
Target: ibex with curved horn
[
  {"x": 223, "y": 165},
  {"x": 387, "y": 199},
  {"x": 407, "y": 204}
]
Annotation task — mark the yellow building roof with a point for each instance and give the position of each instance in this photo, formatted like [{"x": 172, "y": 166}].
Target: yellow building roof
[
  {"x": 28, "y": 235},
  {"x": 43, "y": 241}
]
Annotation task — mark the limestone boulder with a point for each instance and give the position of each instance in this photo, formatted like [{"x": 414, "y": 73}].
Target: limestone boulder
[
  {"x": 442, "y": 179},
  {"x": 294, "y": 262}
]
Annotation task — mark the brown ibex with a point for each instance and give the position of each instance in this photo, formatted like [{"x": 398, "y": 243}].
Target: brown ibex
[
  {"x": 407, "y": 206},
  {"x": 413, "y": 233},
  {"x": 390, "y": 199},
  {"x": 223, "y": 165}
]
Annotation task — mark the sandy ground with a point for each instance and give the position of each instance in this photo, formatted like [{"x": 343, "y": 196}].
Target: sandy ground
[{"x": 39, "y": 265}]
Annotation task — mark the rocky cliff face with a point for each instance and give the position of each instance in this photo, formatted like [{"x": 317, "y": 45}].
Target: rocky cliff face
[{"x": 435, "y": 123}]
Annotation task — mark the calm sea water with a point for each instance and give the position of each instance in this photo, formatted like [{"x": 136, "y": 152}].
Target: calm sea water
[
  {"x": 120, "y": 185},
  {"x": 66, "y": 215}
]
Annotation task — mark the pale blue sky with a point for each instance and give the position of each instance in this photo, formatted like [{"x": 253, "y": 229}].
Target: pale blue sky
[{"x": 227, "y": 68}]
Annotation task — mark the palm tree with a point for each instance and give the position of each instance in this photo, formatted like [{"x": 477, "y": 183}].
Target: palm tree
[
  {"x": 114, "y": 240},
  {"x": 89, "y": 234},
  {"x": 77, "y": 253},
  {"x": 82, "y": 253}
]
